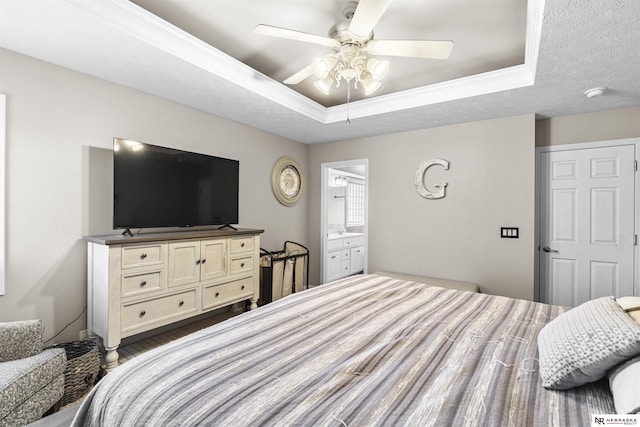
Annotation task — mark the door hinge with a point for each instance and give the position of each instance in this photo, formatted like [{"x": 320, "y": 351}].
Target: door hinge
[
  {"x": 635, "y": 240},
  {"x": 635, "y": 165}
]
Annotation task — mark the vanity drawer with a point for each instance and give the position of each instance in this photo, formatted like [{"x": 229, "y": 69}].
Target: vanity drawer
[
  {"x": 334, "y": 244},
  {"x": 141, "y": 283},
  {"x": 242, "y": 244},
  {"x": 139, "y": 256},
  {"x": 345, "y": 254},
  {"x": 141, "y": 314},
  {"x": 353, "y": 241},
  {"x": 217, "y": 295}
]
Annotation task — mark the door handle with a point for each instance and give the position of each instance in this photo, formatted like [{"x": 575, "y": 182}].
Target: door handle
[{"x": 548, "y": 249}]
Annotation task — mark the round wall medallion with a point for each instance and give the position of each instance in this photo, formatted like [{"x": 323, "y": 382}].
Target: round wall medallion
[{"x": 287, "y": 181}]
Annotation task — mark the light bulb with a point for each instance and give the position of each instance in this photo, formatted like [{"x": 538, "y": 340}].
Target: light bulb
[
  {"x": 324, "y": 85},
  {"x": 370, "y": 85},
  {"x": 377, "y": 68},
  {"x": 322, "y": 66}
]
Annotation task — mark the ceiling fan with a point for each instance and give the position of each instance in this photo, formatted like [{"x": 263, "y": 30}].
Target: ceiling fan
[{"x": 351, "y": 41}]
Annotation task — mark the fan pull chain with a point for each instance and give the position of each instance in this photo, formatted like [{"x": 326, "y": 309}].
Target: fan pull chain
[{"x": 348, "y": 99}]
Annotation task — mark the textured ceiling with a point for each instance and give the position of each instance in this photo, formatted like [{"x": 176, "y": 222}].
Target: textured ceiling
[{"x": 582, "y": 44}]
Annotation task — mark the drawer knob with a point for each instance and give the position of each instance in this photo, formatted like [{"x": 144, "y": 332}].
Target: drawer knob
[
  {"x": 241, "y": 265},
  {"x": 217, "y": 294},
  {"x": 242, "y": 245},
  {"x": 143, "y": 283},
  {"x": 181, "y": 303},
  {"x": 143, "y": 256},
  {"x": 242, "y": 288},
  {"x": 142, "y": 313}
]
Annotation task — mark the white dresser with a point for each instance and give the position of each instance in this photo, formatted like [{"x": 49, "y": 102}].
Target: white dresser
[{"x": 140, "y": 283}]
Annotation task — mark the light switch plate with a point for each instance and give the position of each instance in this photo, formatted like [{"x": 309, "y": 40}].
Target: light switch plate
[{"x": 509, "y": 232}]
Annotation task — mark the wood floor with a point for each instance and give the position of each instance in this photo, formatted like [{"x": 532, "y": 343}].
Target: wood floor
[{"x": 130, "y": 350}]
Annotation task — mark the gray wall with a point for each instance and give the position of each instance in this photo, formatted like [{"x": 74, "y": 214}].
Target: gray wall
[
  {"x": 601, "y": 126},
  {"x": 60, "y": 126},
  {"x": 491, "y": 184}
]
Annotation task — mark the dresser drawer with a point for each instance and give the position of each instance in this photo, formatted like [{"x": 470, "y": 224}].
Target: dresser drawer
[
  {"x": 139, "y": 256},
  {"x": 241, "y": 244},
  {"x": 141, "y": 283},
  {"x": 238, "y": 265},
  {"x": 216, "y": 295},
  {"x": 141, "y": 314}
]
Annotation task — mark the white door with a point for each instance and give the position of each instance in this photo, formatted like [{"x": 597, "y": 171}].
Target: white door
[{"x": 587, "y": 200}]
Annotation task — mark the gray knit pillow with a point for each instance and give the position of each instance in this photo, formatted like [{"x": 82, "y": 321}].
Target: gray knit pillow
[{"x": 582, "y": 344}]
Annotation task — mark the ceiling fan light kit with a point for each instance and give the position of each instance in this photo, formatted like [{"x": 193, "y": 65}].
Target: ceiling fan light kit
[
  {"x": 351, "y": 41},
  {"x": 349, "y": 64}
]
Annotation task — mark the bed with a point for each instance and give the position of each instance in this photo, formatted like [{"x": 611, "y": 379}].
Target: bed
[{"x": 366, "y": 350}]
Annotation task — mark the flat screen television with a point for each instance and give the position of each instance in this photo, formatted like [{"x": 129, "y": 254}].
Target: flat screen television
[{"x": 163, "y": 187}]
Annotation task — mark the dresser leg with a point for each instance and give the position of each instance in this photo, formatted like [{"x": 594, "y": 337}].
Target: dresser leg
[
  {"x": 111, "y": 358},
  {"x": 254, "y": 304}
]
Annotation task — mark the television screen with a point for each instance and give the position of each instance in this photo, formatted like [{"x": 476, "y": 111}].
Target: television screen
[{"x": 164, "y": 187}]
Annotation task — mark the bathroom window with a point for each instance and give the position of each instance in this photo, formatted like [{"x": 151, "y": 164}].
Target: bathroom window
[{"x": 355, "y": 203}]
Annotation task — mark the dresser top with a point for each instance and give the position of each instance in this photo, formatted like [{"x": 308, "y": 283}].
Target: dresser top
[{"x": 119, "y": 239}]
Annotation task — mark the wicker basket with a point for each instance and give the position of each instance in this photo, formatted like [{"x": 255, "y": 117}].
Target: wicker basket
[{"x": 83, "y": 366}]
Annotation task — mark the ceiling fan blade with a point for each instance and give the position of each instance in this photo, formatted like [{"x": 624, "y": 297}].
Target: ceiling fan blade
[
  {"x": 433, "y": 49},
  {"x": 268, "y": 30},
  {"x": 299, "y": 76},
  {"x": 366, "y": 16}
]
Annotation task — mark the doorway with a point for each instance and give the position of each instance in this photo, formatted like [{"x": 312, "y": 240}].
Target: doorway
[
  {"x": 587, "y": 228},
  {"x": 344, "y": 219}
]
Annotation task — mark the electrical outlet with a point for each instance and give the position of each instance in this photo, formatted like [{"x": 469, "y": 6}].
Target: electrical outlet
[{"x": 83, "y": 335}]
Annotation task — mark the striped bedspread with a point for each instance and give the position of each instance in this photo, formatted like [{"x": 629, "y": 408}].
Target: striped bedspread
[{"x": 363, "y": 351}]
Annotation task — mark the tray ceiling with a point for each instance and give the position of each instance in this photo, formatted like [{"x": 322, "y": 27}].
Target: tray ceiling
[{"x": 488, "y": 35}]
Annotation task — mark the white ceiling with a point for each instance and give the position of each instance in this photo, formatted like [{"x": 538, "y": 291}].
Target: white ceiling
[{"x": 569, "y": 47}]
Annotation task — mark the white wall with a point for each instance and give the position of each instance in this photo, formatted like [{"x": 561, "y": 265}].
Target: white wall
[
  {"x": 60, "y": 126},
  {"x": 491, "y": 184}
]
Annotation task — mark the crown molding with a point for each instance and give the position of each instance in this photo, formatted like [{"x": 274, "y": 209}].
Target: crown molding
[
  {"x": 480, "y": 84},
  {"x": 154, "y": 31}
]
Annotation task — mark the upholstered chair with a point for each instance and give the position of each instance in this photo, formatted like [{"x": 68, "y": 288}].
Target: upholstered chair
[{"x": 31, "y": 380}]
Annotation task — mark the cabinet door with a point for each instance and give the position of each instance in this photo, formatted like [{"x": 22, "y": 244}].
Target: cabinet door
[
  {"x": 346, "y": 268},
  {"x": 334, "y": 267},
  {"x": 184, "y": 263},
  {"x": 214, "y": 259},
  {"x": 357, "y": 260}
]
